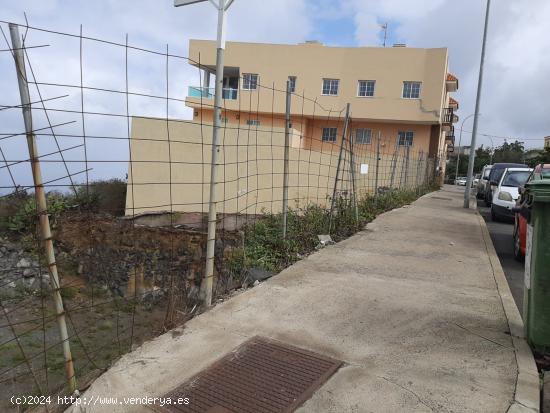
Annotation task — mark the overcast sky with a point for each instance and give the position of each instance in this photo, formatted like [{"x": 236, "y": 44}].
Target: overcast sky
[{"x": 514, "y": 103}]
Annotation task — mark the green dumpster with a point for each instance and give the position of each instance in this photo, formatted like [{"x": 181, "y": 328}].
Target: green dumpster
[{"x": 536, "y": 306}]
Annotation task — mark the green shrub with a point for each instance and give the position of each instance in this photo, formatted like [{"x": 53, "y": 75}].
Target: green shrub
[
  {"x": 105, "y": 196},
  {"x": 10, "y": 205},
  {"x": 24, "y": 218},
  {"x": 18, "y": 210}
]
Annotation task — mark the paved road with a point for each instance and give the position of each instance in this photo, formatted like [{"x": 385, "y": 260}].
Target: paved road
[{"x": 501, "y": 234}]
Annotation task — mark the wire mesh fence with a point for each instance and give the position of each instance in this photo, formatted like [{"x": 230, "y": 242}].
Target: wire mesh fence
[{"x": 106, "y": 157}]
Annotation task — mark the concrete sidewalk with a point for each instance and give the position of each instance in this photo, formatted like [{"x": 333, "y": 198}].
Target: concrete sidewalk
[{"x": 411, "y": 305}]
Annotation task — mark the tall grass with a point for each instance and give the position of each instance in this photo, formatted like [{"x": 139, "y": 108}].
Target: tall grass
[{"x": 265, "y": 248}]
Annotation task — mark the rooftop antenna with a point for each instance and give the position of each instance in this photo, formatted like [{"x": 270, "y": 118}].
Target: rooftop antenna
[{"x": 385, "y": 28}]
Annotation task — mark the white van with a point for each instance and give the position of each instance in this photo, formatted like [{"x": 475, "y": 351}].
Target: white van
[
  {"x": 483, "y": 182},
  {"x": 506, "y": 193}
]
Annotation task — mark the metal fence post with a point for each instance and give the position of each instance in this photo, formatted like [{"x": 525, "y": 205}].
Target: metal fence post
[
  {"x": 377, "y": 168},
  {"x": 285, "y": 171},
  {"x": 402, "y": 171},
  {"x": 346, "y": 120},
  {"x": 418, "y": 167},
  {"x": 394, "y": 165},
  {"x": 352, "y": 171},
  {"x": 41, "y": 205},
  {"x": 407, "y": 153}
]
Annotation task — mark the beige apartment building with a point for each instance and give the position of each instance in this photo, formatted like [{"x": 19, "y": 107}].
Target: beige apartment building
[
  {"x": 401, "y": 94},
  {"x": 400, "y": 91}
]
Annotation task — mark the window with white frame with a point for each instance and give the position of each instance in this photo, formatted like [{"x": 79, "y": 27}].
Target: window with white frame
[
  {"x": 411, "y": 90},
  {"x": 330, "y": 87},
  {"x": 365, "y": 88},
  {"x": 250, "y": 81},
  {"x": 329, "y": 134},
  {"x": 253, "y": 122},
  {"x": 405, "y": 138},
  {"x": 363, "y": 136},
  {"x": 292, "y": 83}
]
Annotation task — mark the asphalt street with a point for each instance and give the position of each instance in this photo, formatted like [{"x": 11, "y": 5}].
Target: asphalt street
[{"x": 502, "y": 236}]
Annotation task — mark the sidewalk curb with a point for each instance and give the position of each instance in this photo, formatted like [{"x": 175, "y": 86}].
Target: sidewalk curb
[{"x": 527, "y": 392}]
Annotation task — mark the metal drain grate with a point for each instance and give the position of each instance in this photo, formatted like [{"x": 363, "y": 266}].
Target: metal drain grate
[
  {"x": 261, "y": 375},
  {"x": 442, "y": 198}
]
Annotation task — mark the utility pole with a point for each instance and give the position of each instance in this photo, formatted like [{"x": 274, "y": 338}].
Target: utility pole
[
  {"x": 222, "y": 6},
  {"x": 41, "y": 205},
  {"x": 460, "y": 140},
  {"x": 467, "y": 190}
]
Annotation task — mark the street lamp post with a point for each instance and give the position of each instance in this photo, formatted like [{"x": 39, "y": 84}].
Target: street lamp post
[
  {"x": 221, "y": 6},
  {"x": 460, "y": 140},
  {"x": 476, "y": 111}
]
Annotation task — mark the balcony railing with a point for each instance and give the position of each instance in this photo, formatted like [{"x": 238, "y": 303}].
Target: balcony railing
[
  {"x": 450, "y": 135},
  {"x": 208, "y": 92},
  {"x": 448, "y": 116}
]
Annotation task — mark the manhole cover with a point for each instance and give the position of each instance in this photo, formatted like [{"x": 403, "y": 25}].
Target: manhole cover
[{"x": 261, "y": 375}]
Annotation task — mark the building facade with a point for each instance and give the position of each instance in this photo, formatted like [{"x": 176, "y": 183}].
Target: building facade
[
  {"x": 401, "y": 126},
  {"x": 547, "y": 141},
  {"x": 400, "y": 92}
]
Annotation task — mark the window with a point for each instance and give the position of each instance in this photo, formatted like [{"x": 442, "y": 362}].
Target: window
[
  {"x": 292, "y": 85},
  {"x": 411, "y": 90},
  {"x": 330, "y": 87},
  {"x": 515, "y": 178},
  {"x": 363, "y": 136},
  {"x": 250, "y": 81},
  {"x": 329, "y": 134},
  {"x": 253, "y": 122},
  {"x": 405, "y": 138},
  {"x": 366, "y": 88}
]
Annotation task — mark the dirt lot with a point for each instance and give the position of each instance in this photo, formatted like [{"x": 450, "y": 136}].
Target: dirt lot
[{"x": 122, "y": 284}]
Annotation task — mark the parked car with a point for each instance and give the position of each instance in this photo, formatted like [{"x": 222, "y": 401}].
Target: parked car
[
  {"x": 494, "y": 178},
  {"x": 506, "y": 193},
  {"x": 461, "y": 180},
  {"x": 541, "y": 171},
  {"x": 483, "y": 182}
]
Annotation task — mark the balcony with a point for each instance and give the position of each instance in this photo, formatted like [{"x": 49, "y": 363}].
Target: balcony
[
  {"x": 451, "y": 82},
  {"x": 453, "y": 103},
  {"x": 208, "y": 93},
  {"x": 450, "y": 135},
  {"x": 449, "y": 118}
]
